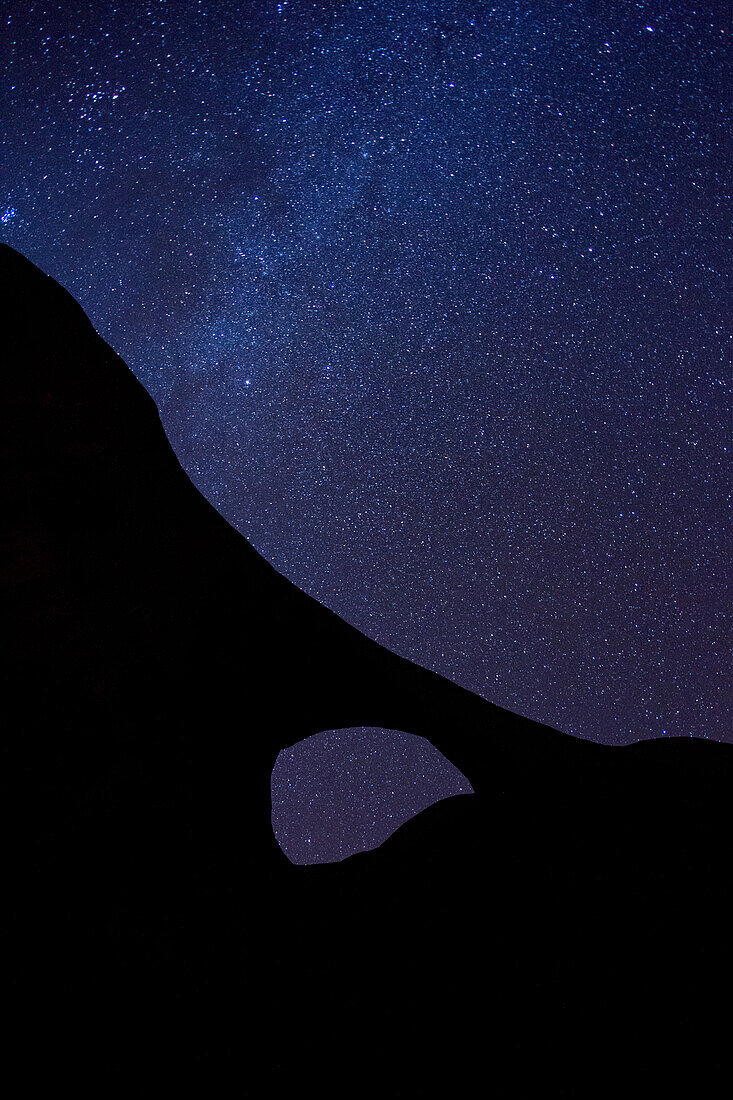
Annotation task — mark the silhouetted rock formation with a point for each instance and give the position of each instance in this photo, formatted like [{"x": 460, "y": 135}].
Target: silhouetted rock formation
[{"x": 155, "y": 665}]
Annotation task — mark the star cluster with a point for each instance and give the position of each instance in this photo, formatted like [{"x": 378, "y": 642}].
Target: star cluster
[{"x": 431, "y": 297}]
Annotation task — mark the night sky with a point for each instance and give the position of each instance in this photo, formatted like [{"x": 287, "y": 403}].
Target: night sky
[{"x": 431, "y": 296}]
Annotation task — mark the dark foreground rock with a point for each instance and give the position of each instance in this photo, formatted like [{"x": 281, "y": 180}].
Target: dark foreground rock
[{"x": 565, "y": 926}]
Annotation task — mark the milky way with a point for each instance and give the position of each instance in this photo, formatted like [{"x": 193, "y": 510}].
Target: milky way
[{"x": 431, "y": 298}]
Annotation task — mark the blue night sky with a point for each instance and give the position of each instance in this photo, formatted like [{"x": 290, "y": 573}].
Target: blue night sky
[{"x": 431, "y": 298}]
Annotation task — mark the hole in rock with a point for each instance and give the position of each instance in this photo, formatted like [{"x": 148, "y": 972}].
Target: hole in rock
[{"x": 345, "y": 791}]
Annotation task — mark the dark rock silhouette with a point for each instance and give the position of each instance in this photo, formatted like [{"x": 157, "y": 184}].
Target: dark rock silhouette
[{"x": 567, "y": 920}]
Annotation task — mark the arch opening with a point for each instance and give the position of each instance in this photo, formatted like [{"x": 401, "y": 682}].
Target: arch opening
[{"x": 345, "y": 791}]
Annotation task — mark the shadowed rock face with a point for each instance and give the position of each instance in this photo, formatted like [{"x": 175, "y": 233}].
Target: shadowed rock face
[{"x": 154, "y": 667}]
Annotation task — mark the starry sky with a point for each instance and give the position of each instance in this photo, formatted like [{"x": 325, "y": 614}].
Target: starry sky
[{"x": 431, "y": 296}]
